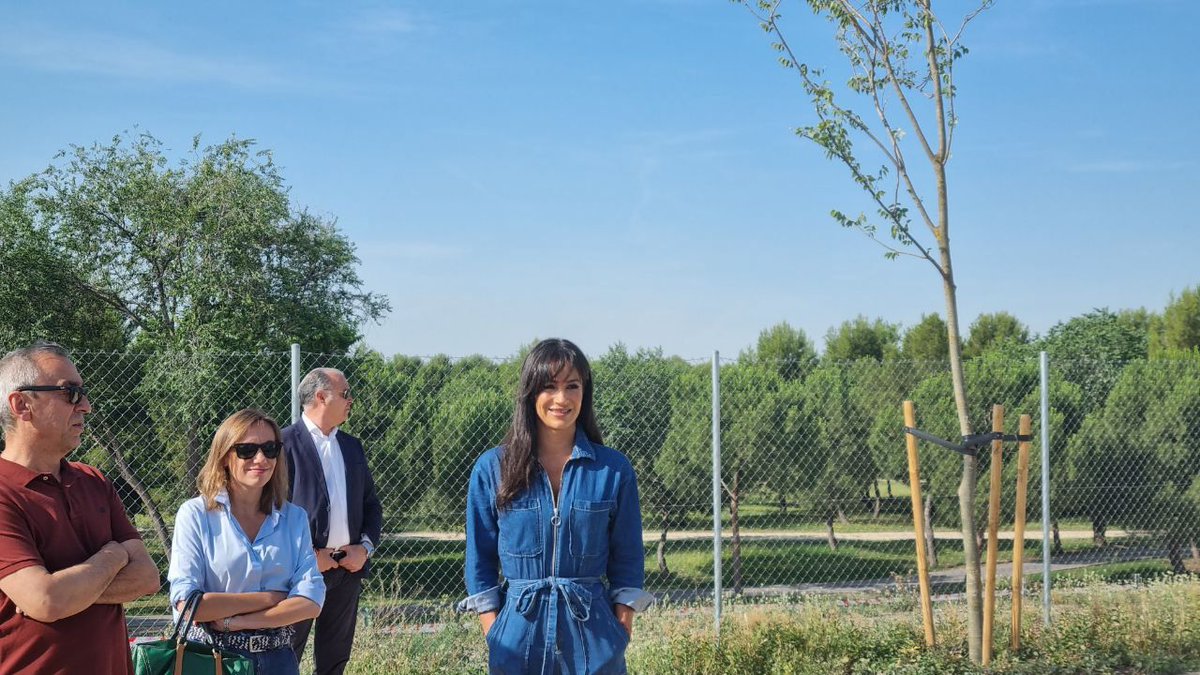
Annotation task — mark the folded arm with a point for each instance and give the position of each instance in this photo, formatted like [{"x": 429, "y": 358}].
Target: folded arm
[
  {"x": 48, "y": 597},
  {"x": 138, "y": 578},
  {"x": 292, "y": 610},
  {"x": 215, "y": 606}
]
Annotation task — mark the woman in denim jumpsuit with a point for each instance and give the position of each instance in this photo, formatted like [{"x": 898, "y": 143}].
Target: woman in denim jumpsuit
[{"x": 557, "y": 514}]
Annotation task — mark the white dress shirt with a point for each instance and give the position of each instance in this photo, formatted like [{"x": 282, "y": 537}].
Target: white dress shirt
[{"x": 334, "y": 467}]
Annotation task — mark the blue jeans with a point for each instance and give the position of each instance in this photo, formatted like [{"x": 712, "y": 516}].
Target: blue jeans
[{"x": 279, "y": 661}]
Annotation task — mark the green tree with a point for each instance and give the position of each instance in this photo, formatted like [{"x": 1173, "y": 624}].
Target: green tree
[
  {"x": 902, "y": 57},
  {"x": 862, "y": 339},
  {"x": 184, "y": 259},
  {"x": 761, "y": 425},
  {"x": 1136, "y": 460},
  {"x": 40, "y": 298},
  {"x": 203, "y": 254},
  {"x": 1178, "y": 329},
  {"x": 1090, "y": 350},
  {"x": 633, "y": 408},
  {"x": 926, "y": 341},
  {"x": 838, "y": 442},
  {"x": 783, "y": 348},
  {"x": 382, "y": 390},
  {"x": 473, "y": 412},
  {"x": 993, "y": 330}
]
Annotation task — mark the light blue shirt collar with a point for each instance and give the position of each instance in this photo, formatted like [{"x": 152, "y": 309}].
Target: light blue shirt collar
[{"x": 222, "y": 498}]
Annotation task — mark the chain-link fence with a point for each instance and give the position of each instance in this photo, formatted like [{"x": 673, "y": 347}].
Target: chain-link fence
[{"x": 815, "y": 494}]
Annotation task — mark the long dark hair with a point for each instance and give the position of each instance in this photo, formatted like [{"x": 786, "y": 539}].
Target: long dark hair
[{"x": 518, "y": 457}]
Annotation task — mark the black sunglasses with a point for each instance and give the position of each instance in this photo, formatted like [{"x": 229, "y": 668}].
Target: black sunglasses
[
  {"x": 270, "y": 449},
  {"x": 75, "y": 393}
]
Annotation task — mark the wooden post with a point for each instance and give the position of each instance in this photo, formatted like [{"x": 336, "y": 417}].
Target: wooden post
[
  {"x": 993, "y": 546},
  {"x": 1025, "y": 429},
  {"x": 914, "y": 480}
]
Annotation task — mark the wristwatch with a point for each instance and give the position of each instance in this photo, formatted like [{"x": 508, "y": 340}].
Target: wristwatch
[{"x": 366, "y": 543}]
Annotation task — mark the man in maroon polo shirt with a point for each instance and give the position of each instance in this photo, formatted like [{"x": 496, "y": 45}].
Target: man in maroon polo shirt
[{"x": 68, "y": 554}]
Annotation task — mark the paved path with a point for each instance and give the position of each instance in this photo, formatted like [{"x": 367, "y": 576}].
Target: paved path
[
  {"x": 945, "y": 579},
  {"x": 649, "y": 536}
]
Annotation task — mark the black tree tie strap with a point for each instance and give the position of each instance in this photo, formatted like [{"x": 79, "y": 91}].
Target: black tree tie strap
[{"x": 970, "y": 444}]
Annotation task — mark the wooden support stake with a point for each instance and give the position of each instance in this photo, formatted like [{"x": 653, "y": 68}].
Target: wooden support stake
[
  {"x": 989, "y": 593},
  {"x": 914, "y": 480},
  {"x": 1025, "y": 429}
]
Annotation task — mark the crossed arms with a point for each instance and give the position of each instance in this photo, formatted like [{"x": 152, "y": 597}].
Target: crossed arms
[
  {"x": 249, "y": 611},
  {"x": 118, "y": 573}
]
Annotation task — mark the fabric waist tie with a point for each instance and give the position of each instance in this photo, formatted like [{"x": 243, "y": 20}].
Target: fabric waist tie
[
  {"x": 572, "y": 590},
  {"x": 578, "y": 600}
]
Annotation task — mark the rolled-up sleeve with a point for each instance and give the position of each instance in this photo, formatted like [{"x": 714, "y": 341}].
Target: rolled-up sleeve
[
  {"x": 186, "y": 570},
  {"x": 482, "y": 570},
  {"x": 306, "y": 580},
  {"x": 626, "y": 554}
]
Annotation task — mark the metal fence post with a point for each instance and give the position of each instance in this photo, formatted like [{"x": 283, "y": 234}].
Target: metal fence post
[
  {"x": 716, "y": 488},
  {"x": 295, "y": 382},
  {"x": 1044, "y": 363}
]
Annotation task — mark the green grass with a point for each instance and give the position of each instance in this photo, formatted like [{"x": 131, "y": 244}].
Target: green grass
[{"x": 1098, "y": 628}]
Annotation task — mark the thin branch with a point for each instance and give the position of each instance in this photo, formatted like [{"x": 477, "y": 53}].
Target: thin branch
[
  {"x": 935, "y": 73},
  {"x": 112, "y": 302},
  {"x": 887, "y": 62},
  {"x": 897, "y": 156},
  {"x": 893, "y": 249}
]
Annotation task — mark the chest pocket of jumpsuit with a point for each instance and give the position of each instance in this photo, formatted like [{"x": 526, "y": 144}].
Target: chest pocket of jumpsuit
[
  {"x": 589, "y": 535},
  {"x": 521, "y": 529}
]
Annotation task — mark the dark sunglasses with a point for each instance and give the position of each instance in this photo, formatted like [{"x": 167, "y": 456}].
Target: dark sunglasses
[
  {"x": 75, "y": 393},
  {"x": 270, "y": 449}
]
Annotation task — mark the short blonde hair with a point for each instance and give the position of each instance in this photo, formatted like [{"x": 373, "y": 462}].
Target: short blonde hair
[{"x": 214, "y": 477}]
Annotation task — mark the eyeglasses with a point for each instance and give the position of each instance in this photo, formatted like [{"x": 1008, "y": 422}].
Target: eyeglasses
[
  {"x": 345, "y": 393},
  {"x": 75, "y": 393},
  {"x": 270, "y": 449}
]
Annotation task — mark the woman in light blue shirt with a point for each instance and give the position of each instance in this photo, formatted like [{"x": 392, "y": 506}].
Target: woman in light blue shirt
[
  {"x": 247, "y": 548},
  {"x": 557, "y": 513}
]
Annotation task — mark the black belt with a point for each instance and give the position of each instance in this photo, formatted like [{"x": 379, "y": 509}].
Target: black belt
[{"x": 246, "y": 640}]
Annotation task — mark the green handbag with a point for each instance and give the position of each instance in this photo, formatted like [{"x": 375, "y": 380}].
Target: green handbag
[{"x": 177, "y": 656}]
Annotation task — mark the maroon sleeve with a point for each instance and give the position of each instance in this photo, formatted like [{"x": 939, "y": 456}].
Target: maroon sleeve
[{"x": 17, "y": 550}]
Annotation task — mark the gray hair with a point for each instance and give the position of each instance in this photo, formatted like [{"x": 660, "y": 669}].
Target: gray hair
[
  {"x": 19, "y": 368},
  {"x": 317, "y": 379}
]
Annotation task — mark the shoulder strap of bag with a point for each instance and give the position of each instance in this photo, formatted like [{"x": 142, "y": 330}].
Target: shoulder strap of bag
[{"x": 187, "y": 615}]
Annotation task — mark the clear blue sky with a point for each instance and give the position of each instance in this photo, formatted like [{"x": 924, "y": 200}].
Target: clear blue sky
[{"x": 626, "y": 171}]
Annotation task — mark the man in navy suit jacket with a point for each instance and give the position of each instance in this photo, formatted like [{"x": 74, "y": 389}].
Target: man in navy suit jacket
[{"x": 330, "y": 479}]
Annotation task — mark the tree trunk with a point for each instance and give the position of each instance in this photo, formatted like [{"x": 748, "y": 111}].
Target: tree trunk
[
  {"x": 1175, "y": 555},
  {"x": 108, "y": 443},
  {"x": 661, "y": 554},
  {"x": 783, "y": 503},
  {"x": 966, "y": 486},
  {"x": 930, "y": 539},
  {"x": 878, "y": 500},
  {"x": 829, "y": 535},
  {"x": 889, "y": 487},
  {"x": 1099, "y": 530},
  {"x": 1195, "y": 552},
  {"x": 841, "y": 516},
  {"x": 193, "y": 456},
  {"x": 1057, "y": 549},
  {"x": 735, "y": 548}
]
